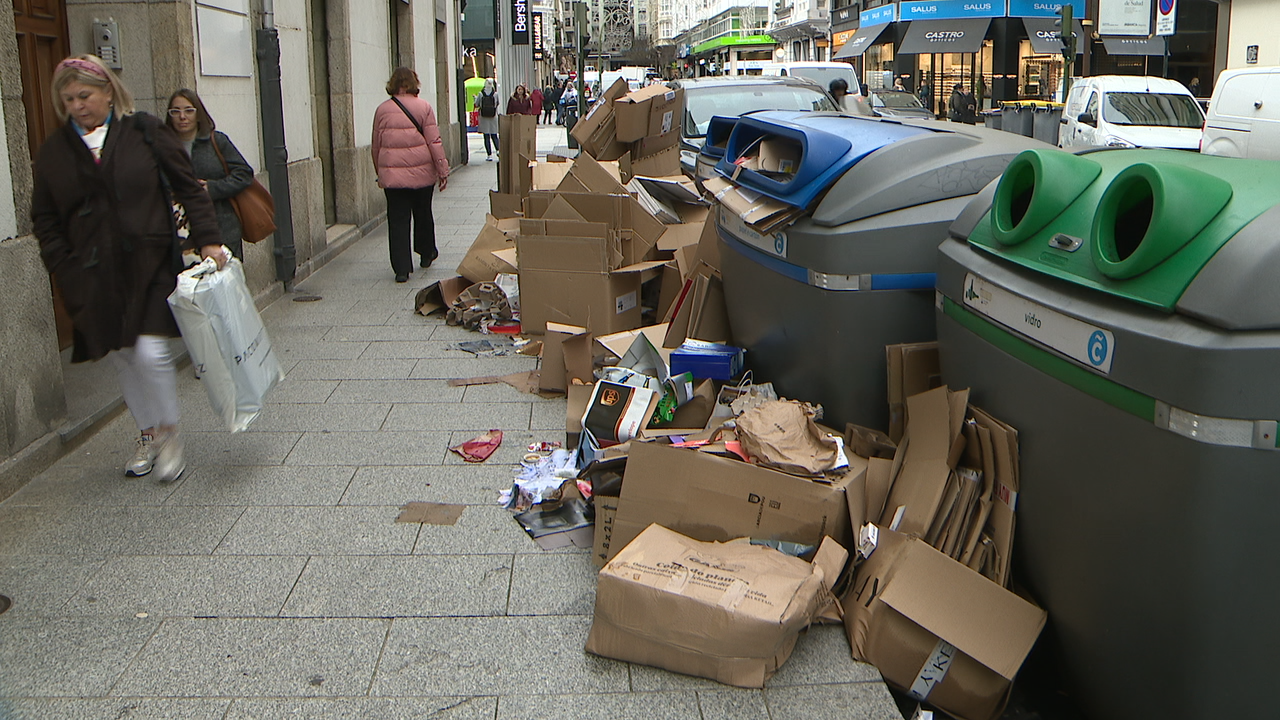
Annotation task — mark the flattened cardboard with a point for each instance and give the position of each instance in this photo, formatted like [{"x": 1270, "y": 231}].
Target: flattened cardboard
[
  {"x": 516, "y": 146},
  {"x": 480, "y": 263},
  {"x": 907, "y": 596},
  {"x": 712, "y": 498},
  {"x": 912, "y": 369},
  {"x": 927, "y": 459},
  {"x": 658, "y": 162},
  {"x": 619, "y": 343},
  {"x": 440, "y": 295},
  {"x": 548, "y": 175},
  {"x": 429, "y": 513},
  {"x": 577, "y": 399},
  {"x": 730, "y": 612},
  {"x": 680, "y": 235}
]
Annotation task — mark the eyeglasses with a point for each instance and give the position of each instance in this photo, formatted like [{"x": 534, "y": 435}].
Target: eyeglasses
[{"x": 179, "y": 112}]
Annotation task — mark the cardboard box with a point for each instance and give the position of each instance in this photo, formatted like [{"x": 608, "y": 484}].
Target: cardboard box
[
  {"x": 653, "y": 110},
  {"x": 574, "y": 280},
  {"x": 912, "y": 369},
  {"x": 597, "y": 131},
  {"x": 730, "y": 612},
  {"x": 936, "y": 629},
  {"x": 504, "y": 205},
  {"x": 637, "y": 230},
  {"x": 480, "y": 263},
  {"x": 553, "y": 372},
  {"x": 714, "y": 498},
  {"x": 762, "y": 213}
]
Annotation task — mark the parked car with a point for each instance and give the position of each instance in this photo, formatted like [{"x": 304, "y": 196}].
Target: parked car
[
  {"x": 820, "y": 72},
  {"x": 1130, "y": 111},
  {"x": 1244, "y": 115},
  {"x": 735, "y": 95},
  {"x": 898, "y": 104}
]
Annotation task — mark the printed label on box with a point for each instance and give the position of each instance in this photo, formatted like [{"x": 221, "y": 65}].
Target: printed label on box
[
  {"x": 624, "y": 303},
  {"x": 666, "y": 122}
]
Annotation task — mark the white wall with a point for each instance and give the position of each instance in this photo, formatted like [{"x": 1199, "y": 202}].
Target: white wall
[
  {"x": 232, "y": 101},
  {"x": 295, "y": 78},
  {"x": 1254, "y": 22},
  {"x": 370, "y": 64}
]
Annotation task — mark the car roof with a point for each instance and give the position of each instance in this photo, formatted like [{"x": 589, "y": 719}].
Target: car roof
[{"x": 723, "y": 80}]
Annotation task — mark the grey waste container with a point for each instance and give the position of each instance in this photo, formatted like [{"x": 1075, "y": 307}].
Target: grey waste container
[
  {"x": 815, "y": 303},
  {"x": 1045, "y": 123},
  {"x": 991, "y": 119},
  {"x": 1017, "y": 118},
  {"x": 1121, "y": 310}
]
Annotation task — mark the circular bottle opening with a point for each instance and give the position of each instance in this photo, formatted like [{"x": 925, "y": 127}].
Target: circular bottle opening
[{"x": 1127, "y": 218}]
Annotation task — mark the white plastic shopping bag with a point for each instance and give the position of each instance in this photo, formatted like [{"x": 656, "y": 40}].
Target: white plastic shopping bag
[{"x": 226, "y": 339}]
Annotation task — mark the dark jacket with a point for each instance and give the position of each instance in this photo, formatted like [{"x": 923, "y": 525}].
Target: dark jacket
[
  {"x": 519, "y": 106},
  {"x": 221, "y": 184},
  {"x": 106, "y": 229},
  {"x": 964, "y": 107}
]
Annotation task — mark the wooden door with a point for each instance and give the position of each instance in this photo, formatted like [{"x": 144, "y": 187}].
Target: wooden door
[{"x": 42, "y": 43}]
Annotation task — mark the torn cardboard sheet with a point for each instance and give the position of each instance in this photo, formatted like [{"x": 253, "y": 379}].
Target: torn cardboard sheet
[
  {"x": 439, "y": 295},
  {"x": 782, "y": 434},
  {"x": 526, "y": 382},
  {"x": 429, "y": 513},
  {"x": 480, "y": 447},
  {"x": 561, "y": 525},
  {"x": 480, "y": 305}
]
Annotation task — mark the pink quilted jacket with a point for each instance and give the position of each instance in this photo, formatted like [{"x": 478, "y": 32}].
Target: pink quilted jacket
[{"x": 401, "y": 155}]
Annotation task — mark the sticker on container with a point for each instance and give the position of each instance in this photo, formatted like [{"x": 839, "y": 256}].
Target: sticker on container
[
  {"x": 737, "y": 227},
  {"x": 666, "y": 122},
  {"x": 623, "y": 303},
  {"x": 933, "y": 671},
  {"x": 1088, "y": 344}
]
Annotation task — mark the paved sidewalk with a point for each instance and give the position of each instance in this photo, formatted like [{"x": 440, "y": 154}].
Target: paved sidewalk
[{"x": 271, "y": 581}]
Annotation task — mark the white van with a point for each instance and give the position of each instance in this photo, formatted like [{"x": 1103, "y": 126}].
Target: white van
[
  {"x": 1130, "y": 111},
  {"x": 1244, "y": 115},
  {"x": 820, "y": 72}
]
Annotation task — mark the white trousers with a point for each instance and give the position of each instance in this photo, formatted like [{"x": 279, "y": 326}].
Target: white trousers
[{"x": 148, "y": 381}]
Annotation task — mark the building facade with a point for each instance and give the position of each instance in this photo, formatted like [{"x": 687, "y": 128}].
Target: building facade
[
  {"x": 334, "y": 60},
  {"x": 723, "y": 37},
  {"x": 802, "y": 29}
]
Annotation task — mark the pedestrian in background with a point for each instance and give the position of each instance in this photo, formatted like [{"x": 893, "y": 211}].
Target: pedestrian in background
[
  {"x": 536, "y": 98},
  {"x": 102, "y": 211},
  {"x": 964, "y": 107},
  {"x": 550, "y": 96},
  {"x": 217, "y": 163},
  {"x": 568, "y": 106},
  {"x": 487, "y": 105},
  {"x": 410, "y": 161},
  {"x": 520, "y": 103}
]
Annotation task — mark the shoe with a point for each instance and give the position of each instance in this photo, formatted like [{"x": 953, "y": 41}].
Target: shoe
[
  {"x": 426, "y": 261},
  {"x": 489, "y": 159},
  {"x": 143, "y": 457},
  {"x": 402, "y": 277},
  {"x": 169, "y": 462}
]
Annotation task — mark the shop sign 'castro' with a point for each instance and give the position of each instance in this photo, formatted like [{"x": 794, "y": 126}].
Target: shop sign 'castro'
[
  {"x": 1088, "y": 344},
  {"x": 944, "y": 35}
]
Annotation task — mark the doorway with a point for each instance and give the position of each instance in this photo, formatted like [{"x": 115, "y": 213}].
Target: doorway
[
  {"x": 321, "y": 119},
  {"x": 41, "y": 27}
]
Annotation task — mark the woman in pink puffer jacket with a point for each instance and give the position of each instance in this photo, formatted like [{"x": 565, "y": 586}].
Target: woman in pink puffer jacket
[{"x": 409, "y": 159}]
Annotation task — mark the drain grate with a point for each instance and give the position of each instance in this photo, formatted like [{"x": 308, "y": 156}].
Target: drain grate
[
  {"x": 5, "y": 604},
  {"x": 307, "y": 298}
]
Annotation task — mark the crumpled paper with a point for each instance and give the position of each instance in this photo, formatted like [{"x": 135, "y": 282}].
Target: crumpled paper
[
  {"x": 481, "y": 304},
  {"x": 782, "y": 434},
  {"x": 480, "y": 447}
]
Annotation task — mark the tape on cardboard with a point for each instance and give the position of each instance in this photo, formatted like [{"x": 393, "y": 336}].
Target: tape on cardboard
[
  {"x": 733, "y": 594},
  {"x": 933, "y": 671}
]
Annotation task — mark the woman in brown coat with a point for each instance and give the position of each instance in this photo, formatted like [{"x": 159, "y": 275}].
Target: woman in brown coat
[
  {"x": 519, "y": 103},
  {"x": 102, "y": 212}
]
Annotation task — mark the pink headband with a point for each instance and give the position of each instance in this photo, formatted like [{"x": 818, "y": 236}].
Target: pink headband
[{"x": 84, "y": 65}]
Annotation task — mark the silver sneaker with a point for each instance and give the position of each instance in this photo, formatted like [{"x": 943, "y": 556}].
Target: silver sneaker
[
  {"x": 143, "y": 458},
  {"x": 169, "y": 463}
]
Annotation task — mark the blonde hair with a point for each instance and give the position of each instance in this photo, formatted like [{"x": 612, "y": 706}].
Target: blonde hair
[{"x": 90, "y": 70}]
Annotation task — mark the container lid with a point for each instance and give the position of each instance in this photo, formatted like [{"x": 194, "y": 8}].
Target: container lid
[{"x": 813, "y": 150}]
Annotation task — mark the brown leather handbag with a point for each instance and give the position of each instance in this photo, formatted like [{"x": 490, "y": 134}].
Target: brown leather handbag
[{"x": 253, "y": 205}]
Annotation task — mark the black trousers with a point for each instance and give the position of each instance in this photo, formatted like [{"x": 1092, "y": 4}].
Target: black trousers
[{"x": 403, "y": 204}]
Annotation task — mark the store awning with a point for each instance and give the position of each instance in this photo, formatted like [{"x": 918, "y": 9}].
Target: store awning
[
  {"x": 1138, "y": 45},
  {"x": 927, "y": 37},
  {"x": 865, "y": 38},
  {"x": 1043, "y": 34}
]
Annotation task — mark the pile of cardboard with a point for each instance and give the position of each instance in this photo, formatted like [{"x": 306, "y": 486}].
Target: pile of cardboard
[
  {"x": 641, "y": 129},
  {"x": 776, "y": 159}
]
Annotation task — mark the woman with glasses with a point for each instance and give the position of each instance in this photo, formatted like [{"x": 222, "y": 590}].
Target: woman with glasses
[{"x": 218, "y": 165}]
